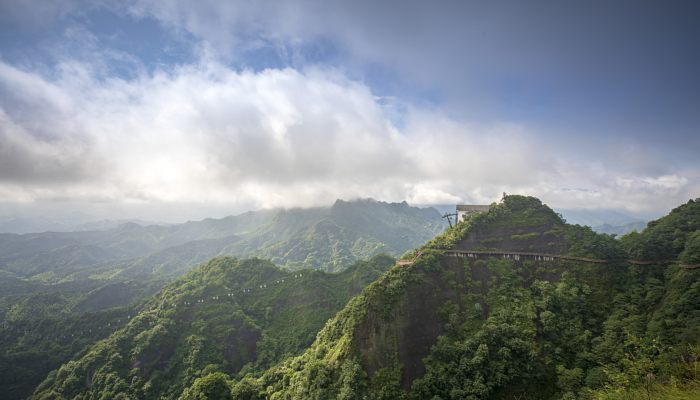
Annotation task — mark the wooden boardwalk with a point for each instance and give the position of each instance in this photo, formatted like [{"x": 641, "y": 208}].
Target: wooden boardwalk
[{"x": 519, "y": 255}]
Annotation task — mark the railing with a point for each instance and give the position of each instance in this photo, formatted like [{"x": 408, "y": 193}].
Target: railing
[{"x": 518, "y": 255}]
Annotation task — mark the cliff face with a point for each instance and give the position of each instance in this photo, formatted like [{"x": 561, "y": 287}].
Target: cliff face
[{"x": 406, "y": 333}]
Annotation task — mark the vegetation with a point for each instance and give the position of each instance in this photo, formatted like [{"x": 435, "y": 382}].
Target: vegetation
[
  {"x": 227, "y": 316},
  {"x": 329, "y": 238},
  {"x": 33, "y": 346},
  {"x": 52, "y": 283},
  {"x": 44, "y": 326},
  {"x": 509, "y": 329},
  {"x": 666, "y": 238},
  {"x": 437, "y": 328}
]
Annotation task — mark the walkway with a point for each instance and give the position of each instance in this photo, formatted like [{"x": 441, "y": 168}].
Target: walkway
[{"x": 519, "y": 255}]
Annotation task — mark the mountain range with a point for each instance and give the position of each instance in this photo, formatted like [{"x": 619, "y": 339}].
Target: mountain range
[
  {"x": 61, "y": 280},
  {"x": 326, "y": 238},
  {"x": 535, "y": 308}
]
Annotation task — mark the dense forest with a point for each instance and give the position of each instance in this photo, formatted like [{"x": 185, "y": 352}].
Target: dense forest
[
  {"x": 224, "y": 316},
  {"x": 506, "y": 329},
  {"x": 61, "y": 292},
  {"x": 434, "y": 327}
]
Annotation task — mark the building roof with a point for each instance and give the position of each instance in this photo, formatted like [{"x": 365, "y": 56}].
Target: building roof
[{"x": 472, "y": 207}]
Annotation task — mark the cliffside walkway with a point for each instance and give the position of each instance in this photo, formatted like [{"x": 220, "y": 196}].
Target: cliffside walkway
[{"x": 519, "y": 255}]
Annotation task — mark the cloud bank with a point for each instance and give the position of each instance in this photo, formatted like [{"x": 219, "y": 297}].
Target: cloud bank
[
  {"x": 208, "y": 134},
  {"x": 469, "y": 101}
]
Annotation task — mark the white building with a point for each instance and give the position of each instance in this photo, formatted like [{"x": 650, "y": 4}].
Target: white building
[{"x": 465, "y": 210}]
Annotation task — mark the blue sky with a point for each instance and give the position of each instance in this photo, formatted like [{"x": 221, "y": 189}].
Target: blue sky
[{"x": 227, "y": 106}]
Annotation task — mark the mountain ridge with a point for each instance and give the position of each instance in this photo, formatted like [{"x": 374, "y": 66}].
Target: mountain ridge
[{"x": 385, "y": 344}]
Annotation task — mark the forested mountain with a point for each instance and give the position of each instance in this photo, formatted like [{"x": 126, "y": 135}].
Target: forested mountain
[
  {"x": 534, "y": 308},
  {"x": 50, "y": 281},
  {"x": 553, "y": 327},
  {"x": 320, "y": 238},
  {"x": 228, "y": 315}
]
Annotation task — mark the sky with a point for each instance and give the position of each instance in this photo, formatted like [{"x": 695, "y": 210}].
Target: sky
[{"x": 174, "y": 110}]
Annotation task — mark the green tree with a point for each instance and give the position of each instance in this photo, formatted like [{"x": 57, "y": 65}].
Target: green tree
[
  {"x": 691, "y": 252},
  {"x": 211, "y": 387}
]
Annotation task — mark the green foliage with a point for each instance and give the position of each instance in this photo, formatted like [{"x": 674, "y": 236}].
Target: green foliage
[
  {"x": 518, "y": 211},
  {"x": 665, "y": 238},
  {"x": 691, "y": 250},
  {"x": 656, "y": 391},
  {"x": 531, "y": 330},
  {"x": 50, "y": 280},
  {"x": 584, "y": 242},
  {"x": 205, "y": 324},
  {"x": 32, "y": 346},
  {"x": 525, "y": 236},
  {"x": 210, "y": 387},
  {"x": 437, "y": 328}
]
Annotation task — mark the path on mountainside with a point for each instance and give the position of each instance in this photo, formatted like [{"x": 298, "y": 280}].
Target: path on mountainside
[{"x": 518, "y": 255}]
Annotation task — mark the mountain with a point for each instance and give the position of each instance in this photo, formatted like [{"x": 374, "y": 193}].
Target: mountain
[
  {"x": 512, "y": 303},
  {"x": 227, "y": 315},
  {"x": 574, "y": 319},
  {"x": 599, "y": 217},
  {"x": 71, "y": 222},
  {"x": 101, "y": 269},
  {"x": 320, "y": 238},
  {"x": 606, "y": 221},
  {"x": 54, "y": 278},
  {"x": 601, "y": 220},
  {"x": 667, "y": 238},
  {"x": 619, "y": 230}
]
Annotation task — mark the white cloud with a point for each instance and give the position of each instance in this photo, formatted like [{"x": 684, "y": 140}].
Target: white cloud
[{"x": 205, "y": 134}]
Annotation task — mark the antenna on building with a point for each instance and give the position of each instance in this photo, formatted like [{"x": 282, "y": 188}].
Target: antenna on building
[{"x": 449, "y": 220}]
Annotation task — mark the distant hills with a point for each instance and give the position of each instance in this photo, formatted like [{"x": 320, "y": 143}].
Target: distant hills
[
  {"x": 319, "y": 238},
  {"x": 606, "y": 221},
  {"x": 600, "y": 219},
  {"x": 52, "y": 280},
  {"x": 71, "y": 223}
]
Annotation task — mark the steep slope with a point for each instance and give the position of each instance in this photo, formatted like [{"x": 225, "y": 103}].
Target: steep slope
[
  {"x": 227, "y": 315},
  {"x": 444, "y": 327}
]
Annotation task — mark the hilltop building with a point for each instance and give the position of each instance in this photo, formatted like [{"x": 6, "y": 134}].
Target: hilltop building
[{"x": 464, "y": 210}]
